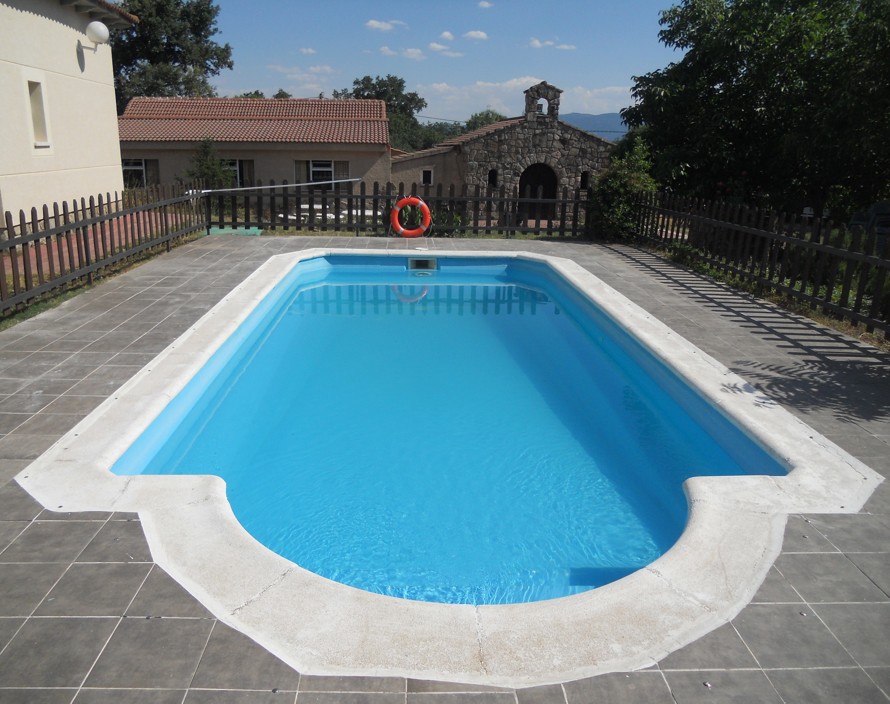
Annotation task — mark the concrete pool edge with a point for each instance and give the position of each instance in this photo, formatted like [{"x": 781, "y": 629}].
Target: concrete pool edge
[{"x": 734, "y": 534}]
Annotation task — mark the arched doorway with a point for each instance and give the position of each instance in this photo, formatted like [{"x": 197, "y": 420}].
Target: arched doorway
[{"x": 537, "y": 181}]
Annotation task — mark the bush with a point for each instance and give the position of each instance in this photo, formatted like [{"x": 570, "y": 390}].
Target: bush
[{"x": 614, "y": 195}]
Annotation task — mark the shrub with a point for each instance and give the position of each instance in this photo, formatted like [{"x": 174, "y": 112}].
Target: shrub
[{"x": 614, "y": 194}]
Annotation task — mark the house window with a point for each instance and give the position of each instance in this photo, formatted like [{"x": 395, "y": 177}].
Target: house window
[
  {"x": 585, "y": 179},
  {"x": 493, "y": 178},
  {"x": 242, "y": 171},
  {"x": 38, "y": 115},
  {"x": 321, "y": 171},
  {"x": 139, "y": 173},
  {"x": 426, "y": 177}
]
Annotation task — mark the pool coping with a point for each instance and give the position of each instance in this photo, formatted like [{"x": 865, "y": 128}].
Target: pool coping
[{"x": 733, "y": 536}]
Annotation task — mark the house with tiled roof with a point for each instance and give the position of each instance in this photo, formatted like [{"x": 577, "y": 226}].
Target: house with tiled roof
[
  {"x": 58, "y": 114},
  {"x": 533, "y": 154},
  {"x": 262, "y": 139}
]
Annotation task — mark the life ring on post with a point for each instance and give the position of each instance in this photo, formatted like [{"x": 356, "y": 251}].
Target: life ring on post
[{"x": 426, "y": 219}]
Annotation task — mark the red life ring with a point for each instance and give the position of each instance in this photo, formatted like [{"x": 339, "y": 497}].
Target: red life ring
[{"x": 425, "y": 215}]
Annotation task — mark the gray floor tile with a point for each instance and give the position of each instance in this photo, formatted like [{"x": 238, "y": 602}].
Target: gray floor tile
[
  {"x": 855, "y": 532},
  {"x": 54, "y": 652},
  {"x": 775, "y": 590},
  {"x": 36, "y": 696},
  {"x": 161, "y": 595},
  {"x": 875, "y": 566},
  {"x": 318, "y": 683},
  {"x": 864, "y": 629},
  {"x": 8, "y": 628},
  {"x": 419, "y": 686},
  {"x": 802, "y": 536},
  {"x": 206, "y": 696},
  {"x": 9, "y": 532},
  {"x": 231, "y": 660},
  {"x": 881, "y": 677},
  {"x": 118, "y": 541},
  {"x": 719, "y": 687},
  {"x": 850, "y": 686},
  {"x": 89, "y": 589},
  {"x": 383, "y": 698},
  {"x": 151, "y": 653},
  {"x": 620, "y": 688},
  {"x": 51, "y": 541},
  {"x": 130, "y": 696},
  {"x": 719, "y": 649},
  {"x": 830, "y": 577},
  {"x": 546, "y": 694},
  {"x": 24, "y": 585},
  {"x": 25, "y": 447},
  {"x": 783, "y": 635}
]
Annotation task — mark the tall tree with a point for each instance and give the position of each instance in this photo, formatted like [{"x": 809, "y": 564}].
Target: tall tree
[
  {"x": 785, "y": 102},
  {"x": 405, "y": 132},
  {"x": 169, "y": 52},
  {"x": 483, "y": 118}
]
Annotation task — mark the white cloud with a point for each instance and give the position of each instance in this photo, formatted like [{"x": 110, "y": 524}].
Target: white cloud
[
  {"x": 321, "y": 70},
  {"x": 386, "y": 51},
  {"x": 458, "y": 102},
  {"x": 413, "y": 54},
  {"x": 384, "y": 25},
  {"x": 307, "y": 50},
  {"x": 437, "y": 47},
  {"x": 536, "y": 43},
  {"x": 475, "y": 34},
  {"x": 566, "y": 47},
  {"x": 452, "y": 54},
  {"x": 485, "y": 5},
  {"x": 447, "y": 36}
]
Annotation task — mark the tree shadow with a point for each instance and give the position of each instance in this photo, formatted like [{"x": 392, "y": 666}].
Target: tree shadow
[{"x": 826, "y": 370}]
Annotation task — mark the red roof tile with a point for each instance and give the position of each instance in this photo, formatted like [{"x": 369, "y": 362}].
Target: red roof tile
[{"x": 255, "y": 120}]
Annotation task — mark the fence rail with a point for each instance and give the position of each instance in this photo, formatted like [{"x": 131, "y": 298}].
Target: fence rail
[
  {"x": 64, "y": 245},
  {"x": 359, "y": 208},
  {"x": 843, "y": 271}
]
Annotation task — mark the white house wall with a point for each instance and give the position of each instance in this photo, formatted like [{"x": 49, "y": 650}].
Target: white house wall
[{"x": 43, "y": 42}]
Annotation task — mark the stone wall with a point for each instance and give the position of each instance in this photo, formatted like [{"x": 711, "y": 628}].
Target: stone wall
[{"x": 541, "y": 139}]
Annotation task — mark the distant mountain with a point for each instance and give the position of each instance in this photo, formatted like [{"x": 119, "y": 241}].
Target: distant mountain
[{"x": 608, "y": 125}]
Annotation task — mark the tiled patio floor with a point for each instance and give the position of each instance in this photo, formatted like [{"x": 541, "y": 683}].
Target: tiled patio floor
[{"x": 85, "y": 616}]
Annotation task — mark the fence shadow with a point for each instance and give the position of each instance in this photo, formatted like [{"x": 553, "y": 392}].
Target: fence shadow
[{"x": 826, "y": 370}]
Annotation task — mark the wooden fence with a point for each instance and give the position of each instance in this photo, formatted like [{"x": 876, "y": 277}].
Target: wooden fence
[
  {"x": 362, "y": 209},
  {"x": 64, "y": 245},
  {"x": 844, "y": 271}
]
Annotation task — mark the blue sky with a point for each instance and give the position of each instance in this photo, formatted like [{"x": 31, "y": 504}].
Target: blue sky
[{"x": 461, "y": 56}]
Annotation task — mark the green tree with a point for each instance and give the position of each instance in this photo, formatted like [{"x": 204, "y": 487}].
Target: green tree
[
  {"x": 779, "y": 102},
  {"x": 615, "y": 191},
  {"x": 481, "y": 119},
  {"x": 281, "y": 94},
  {"x": 169, "y": 52},
  {"x": 405, "y": 132},
  {"x": 207, "y": 167},
  {"x": 256, "y": 94}
]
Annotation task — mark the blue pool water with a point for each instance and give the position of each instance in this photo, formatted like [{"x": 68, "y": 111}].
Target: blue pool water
[{"x": 478, "y": 433}]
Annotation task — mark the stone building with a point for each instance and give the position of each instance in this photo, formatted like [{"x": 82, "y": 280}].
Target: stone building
[{"x": 533, "y": 151}]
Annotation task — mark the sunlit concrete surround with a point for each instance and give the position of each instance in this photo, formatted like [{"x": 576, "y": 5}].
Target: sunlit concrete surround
[{"x": 733, "y": 534}]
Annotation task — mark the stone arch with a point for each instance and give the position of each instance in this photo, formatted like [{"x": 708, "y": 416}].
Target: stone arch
[
  {"x": 542, "y": 91},
  {"x": 538, "y": 180}
]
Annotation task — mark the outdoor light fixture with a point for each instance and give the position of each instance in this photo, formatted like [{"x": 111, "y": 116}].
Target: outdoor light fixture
[{"x": 97, "y": 32}]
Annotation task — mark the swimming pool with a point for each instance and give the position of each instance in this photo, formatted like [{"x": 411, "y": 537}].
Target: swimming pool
[
  {"x": 732, "y": 535},
  {"x": 510, "y": 445}
]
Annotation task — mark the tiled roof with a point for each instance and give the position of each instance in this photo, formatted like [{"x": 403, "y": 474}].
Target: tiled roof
[
  {"x": 449, "y": 144},
  {"x": 255, "y": 120}
]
